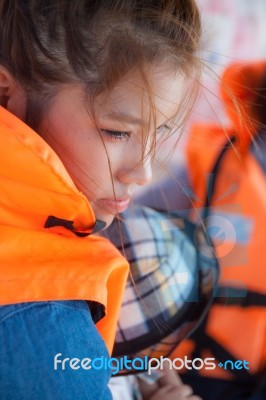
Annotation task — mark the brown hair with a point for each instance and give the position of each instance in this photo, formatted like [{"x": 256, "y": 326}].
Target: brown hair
[{"x": 44, "y": 43}]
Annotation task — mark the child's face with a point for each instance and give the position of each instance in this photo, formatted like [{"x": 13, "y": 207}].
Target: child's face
[{"x": 121, "y": 117}]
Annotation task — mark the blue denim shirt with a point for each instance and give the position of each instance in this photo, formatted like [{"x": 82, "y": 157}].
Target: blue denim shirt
[{"x": 32, "y": 334}]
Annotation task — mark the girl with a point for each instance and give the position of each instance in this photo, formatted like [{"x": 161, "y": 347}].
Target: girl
[{"x": 87, "y": 88}]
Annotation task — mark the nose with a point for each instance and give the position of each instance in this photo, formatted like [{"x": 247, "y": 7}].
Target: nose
[{"x": 139, "y": 173}]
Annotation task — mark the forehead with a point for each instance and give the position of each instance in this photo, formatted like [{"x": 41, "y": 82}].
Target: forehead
[{"x": 136, "y": 100}]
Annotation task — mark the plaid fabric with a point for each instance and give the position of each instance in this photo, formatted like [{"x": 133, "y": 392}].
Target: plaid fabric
[{"x": 171, "y": 283}]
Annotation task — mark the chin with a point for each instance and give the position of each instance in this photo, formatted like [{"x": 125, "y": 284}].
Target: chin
[{"x": 107, "y": 218}]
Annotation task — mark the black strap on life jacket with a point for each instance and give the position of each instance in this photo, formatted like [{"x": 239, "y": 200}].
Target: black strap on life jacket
[
  {"x": 232, "y": 296},
  {"x": 53, "y": 221},
  {"x": 258, "y": 149},
  {"x": 213, "y": 176}
]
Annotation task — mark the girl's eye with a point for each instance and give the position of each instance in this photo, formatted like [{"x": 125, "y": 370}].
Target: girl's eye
[{"x": 116, "y": 134}]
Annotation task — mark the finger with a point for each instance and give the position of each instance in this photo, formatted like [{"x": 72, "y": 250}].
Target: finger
[
  {"x": 182, "y": 391},
  {"x": 147, "y": 389},
  {"x": 170, "y": 377},
  {"x": 164, "y": 390}
]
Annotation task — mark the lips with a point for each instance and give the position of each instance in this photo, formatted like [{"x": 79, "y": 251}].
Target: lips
[{"x": 115, "y": 205}]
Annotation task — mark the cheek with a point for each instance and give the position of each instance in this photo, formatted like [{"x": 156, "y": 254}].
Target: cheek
[
  {"x": 89, "y": 165},
  {"x": 87, "y": 159}
]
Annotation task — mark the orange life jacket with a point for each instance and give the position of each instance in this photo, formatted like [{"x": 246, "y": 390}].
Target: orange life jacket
[
  {"x": 42, "y": 216},
  {"x": 236, "y": 324}
]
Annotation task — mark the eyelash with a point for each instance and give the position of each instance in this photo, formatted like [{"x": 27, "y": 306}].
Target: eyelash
[{"x": 116, "y": 135}]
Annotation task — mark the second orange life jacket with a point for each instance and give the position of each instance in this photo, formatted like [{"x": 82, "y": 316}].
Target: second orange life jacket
[{"x": 227, "y": 178}]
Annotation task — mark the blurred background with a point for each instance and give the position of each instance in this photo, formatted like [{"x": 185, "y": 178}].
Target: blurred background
[{"x": 233, "y": 30}]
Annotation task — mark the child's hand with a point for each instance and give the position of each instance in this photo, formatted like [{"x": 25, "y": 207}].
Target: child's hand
[
  {"x": 168, "y": 387},
  {"x": 169, "y": 377}
]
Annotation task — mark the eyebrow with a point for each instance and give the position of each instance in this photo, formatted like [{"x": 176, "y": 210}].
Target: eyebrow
[
  {"x": 124, "y": 117},
  {"x": 130, "y": 119}
]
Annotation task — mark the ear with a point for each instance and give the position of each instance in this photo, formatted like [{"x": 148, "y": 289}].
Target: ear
[{"x": 12, "y": 96}]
